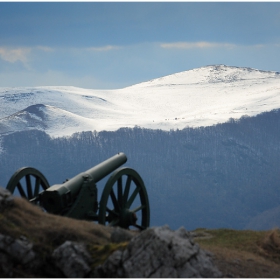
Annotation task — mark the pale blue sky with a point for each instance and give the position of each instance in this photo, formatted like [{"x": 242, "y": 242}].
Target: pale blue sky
[{"x": 114, "y": 45}]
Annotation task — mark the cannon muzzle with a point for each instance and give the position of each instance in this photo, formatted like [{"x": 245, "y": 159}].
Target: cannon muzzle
[{"x": 59, "y": 197}]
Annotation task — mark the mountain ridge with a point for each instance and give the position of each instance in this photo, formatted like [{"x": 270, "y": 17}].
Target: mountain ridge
[
  {"x": 199, "y": 97},
  {"x": 219, "y": 68}
]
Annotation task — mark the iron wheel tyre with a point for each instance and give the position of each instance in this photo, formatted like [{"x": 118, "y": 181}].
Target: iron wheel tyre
[
  {"x": 29, "y": 182},
  {"x": 120, "y": 204}
]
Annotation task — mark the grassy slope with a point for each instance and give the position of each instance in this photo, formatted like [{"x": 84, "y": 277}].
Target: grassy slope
[
  {"x": 243, "y": 253},
  {"x": 48, "y": 231},
  {"x": 236, "y": 253}
]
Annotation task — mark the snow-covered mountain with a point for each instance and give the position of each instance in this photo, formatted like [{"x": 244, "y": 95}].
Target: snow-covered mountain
[{"x": 199, "y": 97}]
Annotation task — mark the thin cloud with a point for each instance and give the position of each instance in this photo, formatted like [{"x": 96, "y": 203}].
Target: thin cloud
[
  {"x": 45, "y": 49},
  {"x": 103, "y": 48},
  {"x": 13, "y": 55},
  {"x": 197, "y": 45}
]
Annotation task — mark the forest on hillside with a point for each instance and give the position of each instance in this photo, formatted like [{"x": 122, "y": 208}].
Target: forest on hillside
[{"x": 220, "y": 176}]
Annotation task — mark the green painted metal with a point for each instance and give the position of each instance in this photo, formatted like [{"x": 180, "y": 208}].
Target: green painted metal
[
  {"x": 85, "y": 204},
  {"x": 28, "y": 181},
  {"x": 120, "y": 205},
  {"x": 127, "y": 193},
  {"x": 59, "y": 197}
]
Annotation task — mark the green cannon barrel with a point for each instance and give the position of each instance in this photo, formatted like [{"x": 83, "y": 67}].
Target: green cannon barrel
[{"x": 58, "y": 197}]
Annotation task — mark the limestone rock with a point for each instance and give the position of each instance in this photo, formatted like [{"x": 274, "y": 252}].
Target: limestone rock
[
  {"x": 72, "y": 259},
  {"x": 160, "y": 252},
  {"x": 14, "y": 252},
  {"x": 120, "y": 235}
]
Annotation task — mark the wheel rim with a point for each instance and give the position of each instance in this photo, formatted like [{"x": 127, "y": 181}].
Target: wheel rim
[
  {"x": 124, "y": 201},
  {"x": 28, "y": 182}
]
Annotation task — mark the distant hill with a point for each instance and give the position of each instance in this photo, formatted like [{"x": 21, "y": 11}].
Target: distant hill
[
  {"x": 267, "y": 219},
  {"x": 44, "y": 118},
  {"x": 205, "y": 141},
  {"x": 200, "y": 97},
  {"x": 216, "y": 177}
]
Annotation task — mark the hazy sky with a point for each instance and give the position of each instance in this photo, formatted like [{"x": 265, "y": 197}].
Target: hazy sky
[{"x": 114, "y": 45}]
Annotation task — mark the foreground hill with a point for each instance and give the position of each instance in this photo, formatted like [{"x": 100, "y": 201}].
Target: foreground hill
[
  {"x": 36, "y": 236},
  {"x": 243, "y": 253}
]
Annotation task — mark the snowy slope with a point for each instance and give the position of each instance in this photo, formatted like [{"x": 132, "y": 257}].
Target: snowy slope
[
  {"x": 199, "y": 97},
  {"x": 47, "y": 118}
]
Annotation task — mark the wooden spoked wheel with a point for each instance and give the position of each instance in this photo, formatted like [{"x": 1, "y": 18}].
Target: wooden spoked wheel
[
  {"x": 124, "y": 201},
  {"x": 28, "y": 182}
]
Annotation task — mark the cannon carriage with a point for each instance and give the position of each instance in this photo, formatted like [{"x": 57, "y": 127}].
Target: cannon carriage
[{"x": 124, "y": 201}]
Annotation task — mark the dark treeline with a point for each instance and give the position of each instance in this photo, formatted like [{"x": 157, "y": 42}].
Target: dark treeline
[{"x": 218, "y": 176}]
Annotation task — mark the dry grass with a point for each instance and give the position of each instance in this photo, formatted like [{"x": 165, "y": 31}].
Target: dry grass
[
  {"x": 239, "y": 240},
  {"x": 48, "y": 231},
  {"x": 243, "y": 253},
  {"x": 269, "y": 245},
  {"x": 259, "y": 243},
  {"x": 237, "y": 253}
]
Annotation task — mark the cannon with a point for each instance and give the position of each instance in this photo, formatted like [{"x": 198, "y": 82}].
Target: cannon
[{"x": 124, "y": 200}]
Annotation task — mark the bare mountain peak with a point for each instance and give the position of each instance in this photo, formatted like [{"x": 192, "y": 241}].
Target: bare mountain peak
[{"x": 219, "y": 73}]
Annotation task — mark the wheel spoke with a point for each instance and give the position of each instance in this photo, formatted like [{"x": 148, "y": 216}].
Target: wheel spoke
[
  {"x": 28, "y": 186},
  {"x": 21, "y": 191},
  {"x": 133, "y": 196},
  {"x": 138, "y": 208},
  {"x": 112, "y": 212},
  {"x": 120, "y": 198},
  {"x": 37, "y": 186},
  {"x": 114, "y": 200},
  {"x": 127, "y": 189}
]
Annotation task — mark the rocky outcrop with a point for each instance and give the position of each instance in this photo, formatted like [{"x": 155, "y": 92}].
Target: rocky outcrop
[
  {"x": 72, "y": 259},
  {"x": 155, "y": 252},
  {"x": 160, "y": 252},
  {"x": 16, "y": 252}
]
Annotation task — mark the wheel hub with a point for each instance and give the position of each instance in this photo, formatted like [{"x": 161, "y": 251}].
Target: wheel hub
[
  {"x": 127, "y": 218},
  {"x": 123, "y": 190}
]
